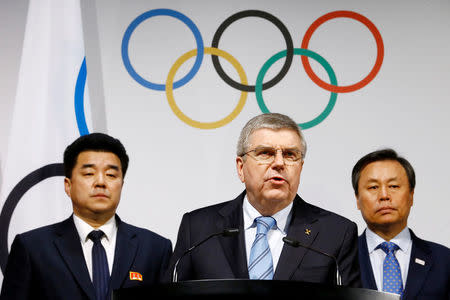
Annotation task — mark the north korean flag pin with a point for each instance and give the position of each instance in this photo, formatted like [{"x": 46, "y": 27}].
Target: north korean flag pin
[{"x": 135, "y": 276}]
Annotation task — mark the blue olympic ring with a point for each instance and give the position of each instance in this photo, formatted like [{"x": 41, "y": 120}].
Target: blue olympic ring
[
  {"x": 79, "y": 99},
  {"x": 170, "y": 13}
]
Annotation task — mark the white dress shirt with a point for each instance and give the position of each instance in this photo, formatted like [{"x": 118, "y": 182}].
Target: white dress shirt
[
  {"x": 274, "y": 236},
  {"x": 108, "y": 240},
  {"x": 403, "y": 255}
]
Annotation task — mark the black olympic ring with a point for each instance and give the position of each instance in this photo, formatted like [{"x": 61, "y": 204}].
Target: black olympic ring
[
  {"x": 276, "y": 22},
  {"x": 13, "y": 199}
]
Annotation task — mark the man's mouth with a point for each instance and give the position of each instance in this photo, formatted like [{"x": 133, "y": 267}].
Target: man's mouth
[
  {"x": 386, "y": 209},
  {"x": 277, "y": 179},
  {"x": 100, "y": 195}
]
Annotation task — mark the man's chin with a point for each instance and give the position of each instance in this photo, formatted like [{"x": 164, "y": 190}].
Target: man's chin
[
  {"x": 386, "y": 222},
  {"x": 277, "y": 196},
  {"x": 387, "y": 218},
  {"x": 103, "y": 210}
]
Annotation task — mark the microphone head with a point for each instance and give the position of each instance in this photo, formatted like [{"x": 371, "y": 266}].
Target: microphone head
[
  {"x": 291, "y": 242},
  {"x": 230, "y": 231}
]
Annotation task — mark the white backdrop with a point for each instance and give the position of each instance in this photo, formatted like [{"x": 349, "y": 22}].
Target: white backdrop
[{"x": 176, "y": 167}]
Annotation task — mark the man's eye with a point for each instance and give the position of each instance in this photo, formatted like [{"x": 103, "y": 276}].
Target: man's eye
[
  {"x": 394, "y": 186},
  {"x": 289, "y": 154},
  {"x": 373, "y": 187},
  {"x": 264, "y": 153},
  {"x": 111, "y": 175}
]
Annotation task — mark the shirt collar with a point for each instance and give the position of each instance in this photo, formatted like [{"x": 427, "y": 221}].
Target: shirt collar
[
  {"x": 403, "y": 240},
  {"x": 250, "y": 214},
  {"x": 83, "y": 228}
]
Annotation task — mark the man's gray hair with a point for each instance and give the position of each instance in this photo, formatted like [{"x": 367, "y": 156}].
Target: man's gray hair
[{"x": 271, "y": 121}]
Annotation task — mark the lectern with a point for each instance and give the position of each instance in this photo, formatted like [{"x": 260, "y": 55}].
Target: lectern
[{"x": 251, "y": 289}]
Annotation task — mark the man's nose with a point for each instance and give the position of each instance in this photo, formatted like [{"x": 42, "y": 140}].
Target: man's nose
[
  {"x": 100, "y": 180},
  {"x": 384, "y": 193},
  {"x": 278, "y": 160}
]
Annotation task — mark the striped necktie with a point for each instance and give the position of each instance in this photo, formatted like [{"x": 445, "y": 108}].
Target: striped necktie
[
  {"x": 392, "y": 275},
  {"x": 260, "y": 264}
]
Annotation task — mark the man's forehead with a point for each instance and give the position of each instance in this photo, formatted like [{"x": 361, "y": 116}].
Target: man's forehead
[
  {"x": 92, "y": 156},
  {"x": 96, "y": 153},
  {"x": 269, "y": 135},
  {"x": 386, "y": 170}
]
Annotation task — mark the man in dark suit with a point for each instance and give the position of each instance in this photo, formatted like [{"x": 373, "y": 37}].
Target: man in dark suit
[
  {"x": 92, "y": 252},
  {"x": 384, "y": 187},
  {"x": 270, "y": 155}
]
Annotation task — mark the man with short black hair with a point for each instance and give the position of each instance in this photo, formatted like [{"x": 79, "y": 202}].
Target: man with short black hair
[
  {"x": 392, "y": 258},
  {"x": 93, "y": 252}
]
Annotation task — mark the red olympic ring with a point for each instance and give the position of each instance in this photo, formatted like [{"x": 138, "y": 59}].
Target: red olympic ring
[{"x": 373, "y": 72}]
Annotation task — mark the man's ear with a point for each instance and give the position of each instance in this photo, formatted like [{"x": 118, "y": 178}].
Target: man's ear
[
  {"x": 240, "y": 167},
  {"x": 67, "y": 186},
  {"x": 357, "y": 202}
]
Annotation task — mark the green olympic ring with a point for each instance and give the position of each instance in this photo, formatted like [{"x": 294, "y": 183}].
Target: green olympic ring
[{"x": 311, "y": 54}]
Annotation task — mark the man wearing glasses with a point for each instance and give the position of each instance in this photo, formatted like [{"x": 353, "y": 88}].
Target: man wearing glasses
[{"x": 281, "y": 237}]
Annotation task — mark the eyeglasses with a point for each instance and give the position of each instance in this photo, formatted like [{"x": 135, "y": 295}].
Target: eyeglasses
[{"x": 266, "y": 155}]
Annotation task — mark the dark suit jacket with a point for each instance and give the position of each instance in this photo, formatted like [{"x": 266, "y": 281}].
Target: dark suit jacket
[
  {"x": 48, "y": 262},
  {"x": 429, "y": 281},
  {"x": 225, "y": 257}
]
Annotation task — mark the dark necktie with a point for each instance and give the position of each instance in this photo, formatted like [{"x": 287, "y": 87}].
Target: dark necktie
[
  {"x": 100, "y": 270},
  {"x": 392, "y": 276},
  {"x": 260, "y": 264}
]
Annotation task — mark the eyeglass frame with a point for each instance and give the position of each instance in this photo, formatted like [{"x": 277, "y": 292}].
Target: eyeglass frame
[{"x": 271, "y": 160}]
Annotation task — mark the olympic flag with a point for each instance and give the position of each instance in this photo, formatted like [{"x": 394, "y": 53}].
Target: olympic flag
[{"x": 44, "y": 120}]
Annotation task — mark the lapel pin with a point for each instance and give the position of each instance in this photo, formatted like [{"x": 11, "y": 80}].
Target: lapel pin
[
  {"x": 308, "y": 231},
  {"x": 135, "y": 276},
  {"x": 420, "y": 262}
]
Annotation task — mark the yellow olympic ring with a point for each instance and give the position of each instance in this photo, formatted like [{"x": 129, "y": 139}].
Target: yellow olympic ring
[{"x": 176, "y": 109}]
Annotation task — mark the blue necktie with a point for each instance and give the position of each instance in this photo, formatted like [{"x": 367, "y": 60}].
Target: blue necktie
[
  {"x": 260, "y": 264},
  {"x": 392, "y": 276},
  {"x": 100, "y": 270}
]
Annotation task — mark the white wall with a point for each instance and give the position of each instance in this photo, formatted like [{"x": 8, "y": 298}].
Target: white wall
[{"x": 176, "y": 168}]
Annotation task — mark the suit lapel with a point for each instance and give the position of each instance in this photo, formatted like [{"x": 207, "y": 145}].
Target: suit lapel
[
  {"x": 234, "y": 247},
  {"x": 417, "y": 273},
  {"x": 126, "y": 247},
  {"x": 69, "y": 247},
  {"x": 303, "y": 228},
  {"x": 367, "y": 277}
]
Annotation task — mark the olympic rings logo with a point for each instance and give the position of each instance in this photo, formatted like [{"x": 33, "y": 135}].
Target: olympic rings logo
[{"x": 243, "y": 85}]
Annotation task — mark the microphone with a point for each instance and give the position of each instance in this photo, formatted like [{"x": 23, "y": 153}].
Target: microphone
[
  {"x": 296, "y": 244},
  {"x": 226, "y": 233}
]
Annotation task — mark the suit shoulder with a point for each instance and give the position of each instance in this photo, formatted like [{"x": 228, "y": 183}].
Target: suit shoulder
[
  {"x": 331, "y": 216},
  {"x": 143, "y": 232},
  {"x": 40, "y": 233},
  {"x": 437, "y": 249},
  {"x": 207, "y": 210}
]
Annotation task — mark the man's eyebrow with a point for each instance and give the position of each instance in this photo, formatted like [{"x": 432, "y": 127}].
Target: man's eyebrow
[
  {"x": 85, "y": 166},
  {"x": 114, "y": 167},
  {"x": 372, "y": 179}
]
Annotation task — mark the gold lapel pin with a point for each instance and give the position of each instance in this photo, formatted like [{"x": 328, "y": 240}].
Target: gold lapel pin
[{"x": 307, "y": 231}]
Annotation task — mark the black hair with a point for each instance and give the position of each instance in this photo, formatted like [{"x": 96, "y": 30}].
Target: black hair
[
  {"x": 380, "y": 155},
  {"x": 97, "y": 141}
]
